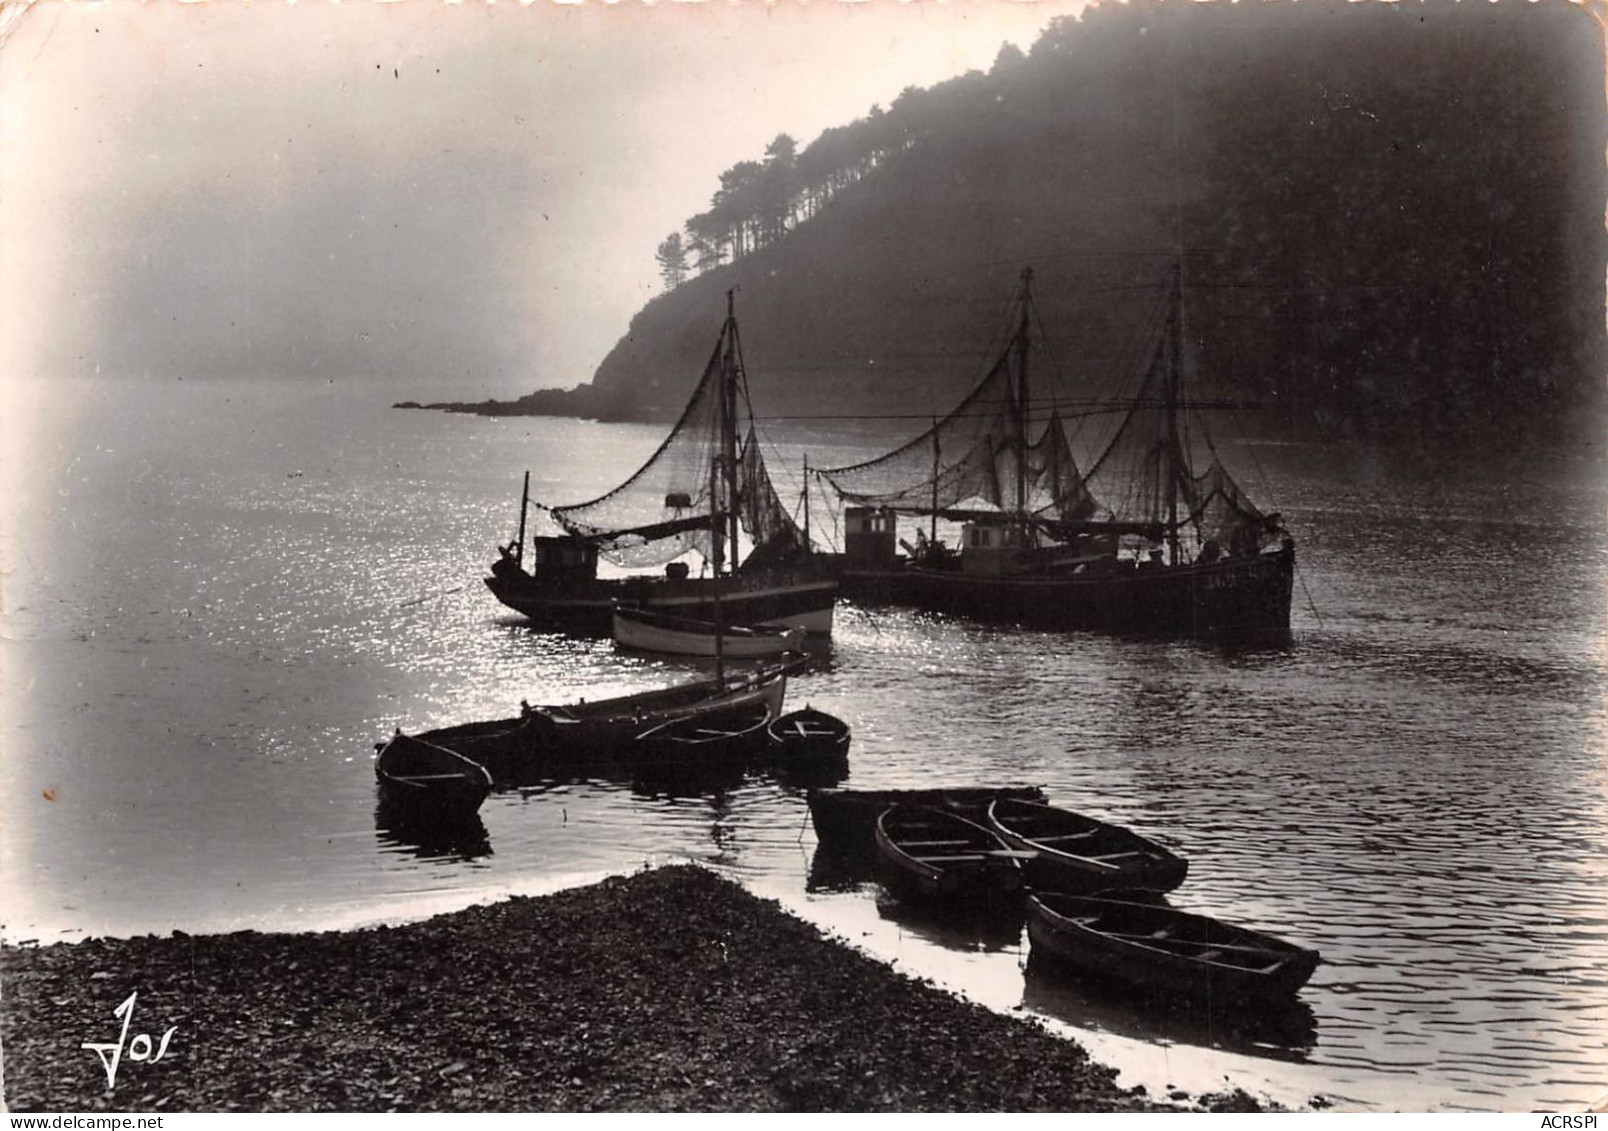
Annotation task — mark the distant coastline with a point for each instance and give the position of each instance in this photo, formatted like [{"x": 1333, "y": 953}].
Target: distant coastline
[{"x": 578, "y": 403}]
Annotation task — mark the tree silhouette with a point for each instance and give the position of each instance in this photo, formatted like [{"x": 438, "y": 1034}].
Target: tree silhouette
[{"x": 672, "y": 257}]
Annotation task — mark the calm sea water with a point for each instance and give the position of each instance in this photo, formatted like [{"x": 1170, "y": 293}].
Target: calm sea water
[{"x": 218, "y": 597}]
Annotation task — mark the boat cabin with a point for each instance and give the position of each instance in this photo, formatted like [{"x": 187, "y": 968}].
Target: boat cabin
[
  {"x": 994, "y": 547},
  {"x": 564, "y": 558},
  {"x": 868, "y": 535}
]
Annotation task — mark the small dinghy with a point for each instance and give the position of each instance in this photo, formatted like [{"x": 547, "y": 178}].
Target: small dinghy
[
  {"x": 809, "y": 747},
  {"x": 1160, "y": 949},
  {"x": 425, "y": 785},
  {"x": 731, "y": 736},
  {"x": 936, "y": 855},
  {"x": 1078, "y": 853}
]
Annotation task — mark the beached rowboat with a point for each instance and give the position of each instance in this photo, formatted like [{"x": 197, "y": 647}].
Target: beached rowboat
[
  {"x": 935, "y": 855},
  {"x": 1161, "y": 949},
  {"x": 1078, "y": 853},
  {"x": 845, "y": 820}
]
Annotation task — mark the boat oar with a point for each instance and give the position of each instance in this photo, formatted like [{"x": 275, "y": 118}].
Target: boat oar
[{"x": 1197, "y": 943}]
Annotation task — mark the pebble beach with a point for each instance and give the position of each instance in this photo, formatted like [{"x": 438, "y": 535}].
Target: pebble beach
[{"x": 667, "y": 990}]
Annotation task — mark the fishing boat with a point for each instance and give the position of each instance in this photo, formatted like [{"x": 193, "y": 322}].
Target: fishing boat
[
  {"x": 936, "y": 855},
  {"x": 1159, "y": 948},
  {"x": 1139, "y": 543},
  {"x": 703, "y": 490},
  {"x": 845, "y": 820},
  {"x": 421, "y": 783},
  {"x": 1078, "y": 853},
  {"x": 648, "y": 631},
  {"x": 578, "y": 733}
]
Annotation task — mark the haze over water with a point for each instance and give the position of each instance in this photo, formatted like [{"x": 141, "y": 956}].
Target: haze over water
[{"x": 218, "y": 597}]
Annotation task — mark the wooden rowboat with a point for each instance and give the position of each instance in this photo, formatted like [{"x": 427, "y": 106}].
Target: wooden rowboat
[
  {"x": 612, "y": 726},
  {"x": 934, "y": 855},
  {"x": 809, "y": 735},
  {"x": 422, "y": 784},
  {"x": 1160, "y": 949},
  {"x": 809, "y": 748},
  {"x": 732, "y": 735},
  {"x": 845, "y": 820},
  {"x": 649, "y": 631},
  {"x": 1078, "y": 853},
  {"x": 583, "y": 733}
]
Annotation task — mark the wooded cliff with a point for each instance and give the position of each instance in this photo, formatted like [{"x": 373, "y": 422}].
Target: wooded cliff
[{"x": 1389, "y": 219}]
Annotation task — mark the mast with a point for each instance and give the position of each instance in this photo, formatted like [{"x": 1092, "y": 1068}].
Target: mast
[
  {"x": 728, "y": 422},
  {"x": 714, "y": 583},
  {"x": 1021, "y": 394},
  {"x": 809, "y": 547},
  {"x": 1175, "y": 463},
  {"x": 524, "y": 505},
  {"x": 935, "y": 456}
]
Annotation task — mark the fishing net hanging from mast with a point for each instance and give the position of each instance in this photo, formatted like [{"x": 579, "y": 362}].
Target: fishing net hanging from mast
[
  {"x": 1149, "y": 456},
  {"x": 776, "y": 537},
  {"x": 970, "y": 456},
  {"x": 664, "y": 509}
]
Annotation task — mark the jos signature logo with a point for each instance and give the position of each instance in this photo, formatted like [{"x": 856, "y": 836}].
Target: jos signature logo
[{"x": 139, "y": 1048}]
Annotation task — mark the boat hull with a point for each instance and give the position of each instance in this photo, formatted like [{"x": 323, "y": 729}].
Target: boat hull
[
  {"x": 809, "y": 748},
  {"x": 935, "y": 857},
  {"x": 1074, "y": 853},
  {"x": 425, "y": 785},
  {"x": 729, "y": 737},
  {"x": 1161, "y": 950},
  {"x": 516, "y": 750},
  {"x": 777, "y": 598},
  {"x": 654, "y": 632},
  {"x": 1231, "y": 597},
  {"x": 845, "y": 820}
]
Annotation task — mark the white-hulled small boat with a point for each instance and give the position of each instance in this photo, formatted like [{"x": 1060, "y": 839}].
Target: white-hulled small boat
[{"x": 683, "y": 636}]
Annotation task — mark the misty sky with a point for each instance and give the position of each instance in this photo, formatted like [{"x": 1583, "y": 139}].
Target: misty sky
[{"x": 461, "y": 200}]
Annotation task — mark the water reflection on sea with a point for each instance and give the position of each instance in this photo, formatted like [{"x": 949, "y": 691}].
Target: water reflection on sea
[{"x": 208, "y": 627}]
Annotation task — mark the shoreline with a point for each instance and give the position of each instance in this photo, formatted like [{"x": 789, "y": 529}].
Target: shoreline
[{"x": 668, "y": 990}]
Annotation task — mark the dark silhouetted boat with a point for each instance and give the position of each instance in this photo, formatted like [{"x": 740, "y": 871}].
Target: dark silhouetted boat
[
  {"x": 808, "y": 736},
  {"x": 1162, "y": 949},
  {"x": 1078, "y": 853},
  {"x": 1278, "y": 1028},
  {"x": 845, "y": 820},
  {"x": 422, "y": 784},
  {"x": 736, "y": 734},
  {"x": 934, "y": 855},
  {"x": 1139, "y": 543},
  {"x": 520, "y": 749},
  {"x": 704, "y": 484}
]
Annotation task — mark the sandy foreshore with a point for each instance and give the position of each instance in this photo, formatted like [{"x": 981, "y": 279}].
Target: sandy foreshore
[{"x": 670, "y": 990}]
